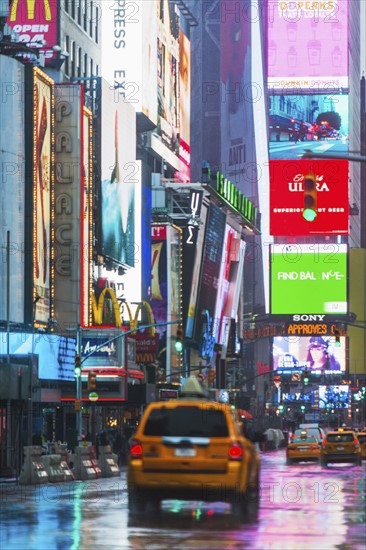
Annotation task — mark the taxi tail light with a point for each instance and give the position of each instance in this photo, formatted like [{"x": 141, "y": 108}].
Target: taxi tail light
[
  {"x": 236, "y": 451},
  {"x": 135, "y": 449},
  {"x": 291, "y": 447},
  {"x": 325, "y": 441},
  {"x": 356, "y": 441},
  {"x": 314, "y": 447}
]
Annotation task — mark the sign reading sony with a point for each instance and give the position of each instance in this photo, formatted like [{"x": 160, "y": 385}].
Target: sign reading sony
[
  {"x": 309, "y": 279},
  {"x": 235, "y": 198}
]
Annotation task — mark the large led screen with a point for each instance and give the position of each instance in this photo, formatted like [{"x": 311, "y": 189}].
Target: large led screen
[
  {"x": 314, "y": 122},
  {"x": 309, "y": 279},
  {"x": 334, "y": 397},
  {"x": 317, "y": 354},
  {"x": 308, "y": 44},
  {"x": 287, "y": 197}
]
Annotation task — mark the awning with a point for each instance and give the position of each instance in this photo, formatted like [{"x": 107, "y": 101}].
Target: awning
[{"x": 245, "y": 414}]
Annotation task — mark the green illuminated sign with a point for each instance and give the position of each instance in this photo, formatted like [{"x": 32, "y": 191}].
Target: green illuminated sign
[
  {"x": 309, "y": 279},
  {"x": 236, "y": 200}
]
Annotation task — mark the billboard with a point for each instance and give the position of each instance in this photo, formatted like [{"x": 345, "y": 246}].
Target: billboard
[
  {"x": 317, "y": 354},
  {"x": 237, "y": 96},
  {"x": 56, "y": 354},
  {"x": 308, "y": 45},
  {"x": 334, "y": 397},
  {"x": 184, "y": 107},
  {"x": 130, "y": 54},
  {"x": 43, "y": 184},
  {"x": 12, "y": 188},
  {"x": 159, "y": 280},
  {"x": 312, "y": 122},
  {"x": 69, "y": 99},
  {"x": 287, "y": 197},
  {"x": 309, "y": 279},
  {"x": 36, "y": 22},
  {"x": 121, "y": 181}
]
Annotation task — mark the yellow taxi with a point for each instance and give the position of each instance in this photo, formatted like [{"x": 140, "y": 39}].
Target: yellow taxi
[
  {"x": 192, "y": 448},
  {"x": 361, "y": 436},
  {"x": 303, "y": 449},
  {"x": 341, "y": 445}
]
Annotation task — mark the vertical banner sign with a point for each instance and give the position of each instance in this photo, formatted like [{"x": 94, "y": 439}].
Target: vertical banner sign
[
  {"x": 68, "y": 186},
  {"x": 184, "y": 107},
  {"x": 159, "y": 281},
  {"x": 174, "y": 291},
  {"x": 86, "y": 256},
  {"x": 42, "y": 194},
  {"x": 210, "y": 270}
]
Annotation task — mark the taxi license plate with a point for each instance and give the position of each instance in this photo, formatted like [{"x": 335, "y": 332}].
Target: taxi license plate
[
  {"x": 302, "y": 448},
  {"x": 185, "y": 452},
  {"x": 340, "y": 448}
]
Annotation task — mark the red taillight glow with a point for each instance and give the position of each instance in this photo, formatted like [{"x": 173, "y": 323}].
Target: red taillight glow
[
  {"x": 315, "y": 447},
  {"x": 291, "y": 448},
  {"x": 236, "y": 452},
  {"x": 324, "y": 441},
  {"x": 355, "y": 441},
  {"x": 136, "y": 449}
]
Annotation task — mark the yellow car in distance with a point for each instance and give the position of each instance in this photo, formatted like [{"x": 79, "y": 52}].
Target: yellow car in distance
[
  {"x": 303, "y": 449},
  {"x": 361, "y": 436},
  {"x": 191, "y": 448},
  {"x": 341, "y": 446}
]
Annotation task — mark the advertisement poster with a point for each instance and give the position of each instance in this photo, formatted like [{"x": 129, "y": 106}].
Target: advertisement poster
[
  {"x": 287, "y": 197},
  {"x": 308, "y": 45},
  {"x": 317, "y": 354},
  {"x": 309, "y": 279}
]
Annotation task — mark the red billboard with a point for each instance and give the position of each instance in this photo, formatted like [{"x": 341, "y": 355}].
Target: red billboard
[
  {"x": 36, "y": 23},
  {"x": 287, "y": 197}
]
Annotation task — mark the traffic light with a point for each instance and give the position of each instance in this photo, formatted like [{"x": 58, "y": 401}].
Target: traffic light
[
  {"x": 305, "y": 377},
  {"x": 281, "y": 407},
  {"x": 92, "y": 380},
  {"x": 211, "y": 376},
  {"x": 179, "y": 341},
  {"x": 310, "y": 198},
  {"x": 77, "y": 370}
]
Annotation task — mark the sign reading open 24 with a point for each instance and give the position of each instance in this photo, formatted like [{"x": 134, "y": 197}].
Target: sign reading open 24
[{"x": 309, "y": 279}]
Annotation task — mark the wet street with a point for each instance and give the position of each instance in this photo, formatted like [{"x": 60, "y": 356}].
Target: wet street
[{"x": 301, "y": 507}]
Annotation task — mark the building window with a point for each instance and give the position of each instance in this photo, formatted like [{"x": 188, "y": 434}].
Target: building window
[
  {"x": 85, "y": 64},
  {"x": 66, "y": 4},
  {"x": 91, "y": 67},
  {"x": 96, "y": 25},
  {"x": 79, "y": 13},
  {"x": 73, "y": 58},
  {"x": 73, "y": 9},
  {"x": 91, "y": 18},
  {"x": 79, "y": 61},
  {"x": 67, "y": 49},
  {"x": 85, "y": 14}
]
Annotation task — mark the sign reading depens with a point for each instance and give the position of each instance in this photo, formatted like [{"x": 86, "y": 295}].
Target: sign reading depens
[{"x": 309, "y": 279}]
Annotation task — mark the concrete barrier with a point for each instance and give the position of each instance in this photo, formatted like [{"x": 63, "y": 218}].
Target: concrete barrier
[
  {"x": 85, "y": 463},
  {"x": 57, "y": 468},
  {"x": 108, "y": 463},
  {"x": 33, "y": 471}
]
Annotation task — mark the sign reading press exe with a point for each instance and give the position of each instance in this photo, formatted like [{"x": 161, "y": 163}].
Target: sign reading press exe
[{"x": 309, "y": 279}]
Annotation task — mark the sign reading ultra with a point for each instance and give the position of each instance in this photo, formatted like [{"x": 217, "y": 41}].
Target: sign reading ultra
[
  {"x": 309, "y": 279},
  {"x": 287, "y": 197}
]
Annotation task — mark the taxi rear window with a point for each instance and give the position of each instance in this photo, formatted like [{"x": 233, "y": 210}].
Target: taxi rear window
[
  {"x": 305, "y": 440},
  {"x": 361, "y": 438},
  {"x": 186, "y": 422},
  {"x": 344, "y": 438}
]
